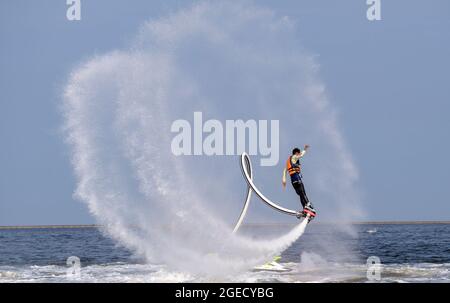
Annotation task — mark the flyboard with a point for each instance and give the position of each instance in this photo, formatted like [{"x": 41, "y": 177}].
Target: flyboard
[{"x": 246, "y": 168}]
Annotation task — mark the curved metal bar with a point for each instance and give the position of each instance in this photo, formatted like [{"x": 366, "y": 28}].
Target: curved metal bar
[{"x": 246, "y": 167}]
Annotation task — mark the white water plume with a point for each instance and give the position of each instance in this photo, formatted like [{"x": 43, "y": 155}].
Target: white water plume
[{"x": 229, "y": 60}]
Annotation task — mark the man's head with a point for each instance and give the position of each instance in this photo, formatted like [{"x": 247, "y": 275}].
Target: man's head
[{"x": 295, "y": 154}]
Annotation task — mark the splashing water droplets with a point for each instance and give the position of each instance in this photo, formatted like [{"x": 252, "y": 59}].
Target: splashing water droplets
[{"x": 228, "y": 60}]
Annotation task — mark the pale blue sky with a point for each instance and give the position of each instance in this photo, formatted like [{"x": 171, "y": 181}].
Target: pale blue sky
[{"x": 388, "y": 79}]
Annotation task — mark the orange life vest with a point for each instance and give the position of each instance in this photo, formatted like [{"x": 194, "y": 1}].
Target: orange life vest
[{"x": 292, "y": 168}]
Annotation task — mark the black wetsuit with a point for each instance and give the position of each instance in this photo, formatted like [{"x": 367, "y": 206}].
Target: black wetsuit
[
  {"x": 300, "y": 190},
  {"x": 297, "y": 183}
]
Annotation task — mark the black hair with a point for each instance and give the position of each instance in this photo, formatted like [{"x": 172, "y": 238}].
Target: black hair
[{"x": 295, "y": 150}]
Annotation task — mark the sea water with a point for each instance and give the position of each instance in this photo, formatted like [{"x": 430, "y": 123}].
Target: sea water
[{"x": 407, "y": 252}]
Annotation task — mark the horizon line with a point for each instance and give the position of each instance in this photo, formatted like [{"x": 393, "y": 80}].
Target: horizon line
[{"x": 67, "y": 226}]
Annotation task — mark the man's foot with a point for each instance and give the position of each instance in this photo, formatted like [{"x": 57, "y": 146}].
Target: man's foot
[
  {"x": 309, "y": 210},
  {"x": 309, "y": 205}
]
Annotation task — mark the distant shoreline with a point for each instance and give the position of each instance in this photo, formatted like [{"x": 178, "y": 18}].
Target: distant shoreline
[
  {"x": 50, "y": 226},
  {"x": 247, "y": 224},
  {"x": 357, "y": 223}
]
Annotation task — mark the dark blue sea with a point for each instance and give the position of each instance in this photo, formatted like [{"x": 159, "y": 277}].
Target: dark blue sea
[{"x": 397, "y": 252}]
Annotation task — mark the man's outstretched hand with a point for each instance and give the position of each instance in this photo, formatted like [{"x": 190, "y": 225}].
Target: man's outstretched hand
[
  {"x": 284, "y": 184},
  {"x": 306, "y": 146}
]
